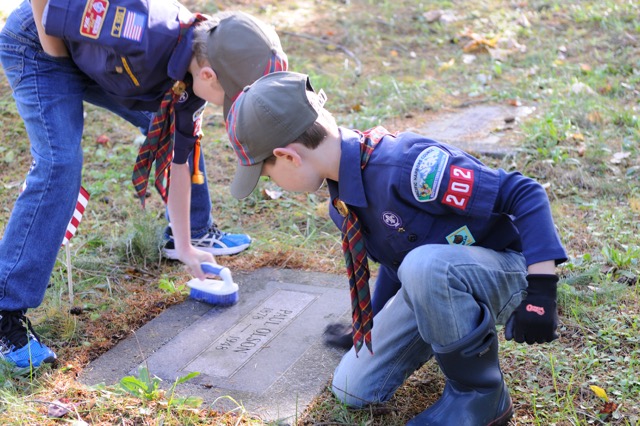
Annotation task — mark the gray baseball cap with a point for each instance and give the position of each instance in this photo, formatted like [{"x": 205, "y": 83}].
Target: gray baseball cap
[
  {"x": 271, "y": 113},
  {"x": 241, "y": 49}
]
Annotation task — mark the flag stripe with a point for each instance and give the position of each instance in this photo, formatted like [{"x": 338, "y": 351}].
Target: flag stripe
[{"x": 81, "y": 204}]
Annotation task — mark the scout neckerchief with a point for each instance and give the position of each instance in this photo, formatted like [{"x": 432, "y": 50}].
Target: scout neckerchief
[
  {"x": 158, "y": 146},
  {"x": 355, "y": 253}
]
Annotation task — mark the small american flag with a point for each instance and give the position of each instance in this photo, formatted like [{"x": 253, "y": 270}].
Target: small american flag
[
  {"x": 81, "y": 204},
  {"x": 134, "y": 24}
]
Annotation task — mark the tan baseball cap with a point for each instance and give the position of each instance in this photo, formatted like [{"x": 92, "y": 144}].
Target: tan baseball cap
[
  {"x": 241, "y": 49},
  {"x": 271, "y": 113}
]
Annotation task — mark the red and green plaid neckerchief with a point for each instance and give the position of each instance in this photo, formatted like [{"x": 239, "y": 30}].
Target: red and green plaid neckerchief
[
  {"x": 158, "y": 146},
  {"x": 355, "y": 253}
]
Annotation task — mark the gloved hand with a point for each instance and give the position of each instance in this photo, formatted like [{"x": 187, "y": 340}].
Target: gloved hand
[{"x": 536, "y": 319}]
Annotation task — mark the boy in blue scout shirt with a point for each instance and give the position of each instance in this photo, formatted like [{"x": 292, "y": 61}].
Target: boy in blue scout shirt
[
  {"x": 157, "y": 65},
  {"x": 470, "y": 246}
]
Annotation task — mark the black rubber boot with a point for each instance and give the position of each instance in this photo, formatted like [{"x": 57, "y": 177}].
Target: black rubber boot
[{"x": 475, "y": 393}]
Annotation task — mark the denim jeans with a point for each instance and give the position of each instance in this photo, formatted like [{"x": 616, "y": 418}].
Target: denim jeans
[
  {"x": 437, "y": 304},
  {"x": 49, "y": 94}
]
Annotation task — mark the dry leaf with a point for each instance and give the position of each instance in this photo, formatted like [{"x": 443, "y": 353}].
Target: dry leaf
[
  {"x": 272, "y": 194},
  {"x": 619, "y": 156},
  {"x": 595, "y": 117},
  {"x": 600, "y": 393},
  {"x": 103, "y": 140},
  {"x": 578, "y": 88},
  {"x": 432, "y": 16},
  {"x": 57, "y": 409},
  {"x": 582, "y": 149},
  {"x": 634, "y": 203},
  {"x": 579, "y": 137},
  {"x": 447, "y": 65}
]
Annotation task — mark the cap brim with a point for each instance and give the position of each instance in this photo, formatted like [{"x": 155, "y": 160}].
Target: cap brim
[{"x": 245, "y": 180}]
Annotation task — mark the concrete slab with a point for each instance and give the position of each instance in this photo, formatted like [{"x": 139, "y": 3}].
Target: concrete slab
[
  {"x": 265, "y": 352},
  {"x": 481, "y": 129}
]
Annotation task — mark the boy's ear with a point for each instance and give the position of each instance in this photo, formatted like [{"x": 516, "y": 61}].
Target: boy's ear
[
  {"x": 288, "y": 153},
  {"x": 207, "y": 73}
]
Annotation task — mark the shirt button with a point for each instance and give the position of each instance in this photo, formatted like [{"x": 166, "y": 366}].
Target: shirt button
[{"x": 412, "y": 238}]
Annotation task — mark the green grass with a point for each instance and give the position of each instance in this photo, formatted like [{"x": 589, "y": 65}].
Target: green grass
[{"x": 577, "y": 63}]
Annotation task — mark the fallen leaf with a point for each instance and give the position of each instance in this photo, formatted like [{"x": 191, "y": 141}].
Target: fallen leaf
[
  {"x": 102, "y": 139},
  {"x": 595, "y": 117},
  {"x": 447, "y": 65},
  {"x": 523, "y": 21},
  {"x": 606, "y": 89},
  {"x": 432, "y": 16},
  {"x": 579, "y": 88},
  {"x": 579, "y": 137},
  {"x": 619, "y": 156},
  {"x": 600, "y": 393},
  {"x": 582, "y": 149},
  {"x": 57, "y": 409},
  {"x": 585, "y": 68},
  {"x": 272, "y": 194}
]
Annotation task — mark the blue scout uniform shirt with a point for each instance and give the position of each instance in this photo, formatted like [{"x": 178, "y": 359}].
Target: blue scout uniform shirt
[
  {"x": 129, "y": 48},
  {"x": 416, "y": 191}
]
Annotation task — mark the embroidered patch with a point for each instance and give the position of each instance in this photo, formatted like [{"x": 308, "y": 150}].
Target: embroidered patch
[
  {"x": 183, "y": 97},
  {"x": 427, "y": 173},
  {"x": 461, "y": 236},
  {"x": 460, "y": 188},
  {"x": 197, "y": 120},
  {"x": 391, "y": 219},
  {"x": 118, "y": 21},
  {"x": 93, "y": 18},
  {"x": 134, "y": 24}
]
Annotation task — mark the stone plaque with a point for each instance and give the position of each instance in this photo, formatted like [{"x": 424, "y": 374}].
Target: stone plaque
[
  {"x": 235, "y": 347},
  {"x": 266, "y": 352}
]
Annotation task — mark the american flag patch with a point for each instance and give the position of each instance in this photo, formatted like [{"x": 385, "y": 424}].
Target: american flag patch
[
  {"x": 134, "y": 24},
  {"x": 81, "y": 204}
]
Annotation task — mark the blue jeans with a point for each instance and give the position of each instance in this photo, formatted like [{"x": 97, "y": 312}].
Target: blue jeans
[
  {"x": 437, "y": 304},
  {"x": 49, "y": 94}
]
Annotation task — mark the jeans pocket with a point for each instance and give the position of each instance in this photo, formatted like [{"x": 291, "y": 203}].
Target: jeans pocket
[
  {"x": 506, "y": 311},
  {"x": 12, "y": 58}
]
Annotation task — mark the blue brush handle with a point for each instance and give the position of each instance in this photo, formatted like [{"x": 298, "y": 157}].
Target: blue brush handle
[{"x": 210, "y": 268}]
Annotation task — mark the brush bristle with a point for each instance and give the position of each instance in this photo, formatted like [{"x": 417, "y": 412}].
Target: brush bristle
[{"x": 214, "y": 299}]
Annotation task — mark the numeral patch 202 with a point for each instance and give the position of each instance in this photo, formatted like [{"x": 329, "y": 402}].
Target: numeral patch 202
[{"x": 460, "y": 187}]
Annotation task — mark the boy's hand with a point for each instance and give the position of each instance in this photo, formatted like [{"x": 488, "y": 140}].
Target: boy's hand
[
  {"x": 536, "y": 319},
  {"x": 193, "y": 258}
]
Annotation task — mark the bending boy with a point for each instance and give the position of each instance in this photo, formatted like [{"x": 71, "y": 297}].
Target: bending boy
[
  {"x": 147, "y": 61},
  {"x": 471, "y": 246}
]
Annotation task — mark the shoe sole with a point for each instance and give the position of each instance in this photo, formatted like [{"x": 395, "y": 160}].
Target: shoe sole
[{"x": 228, "y": 251}]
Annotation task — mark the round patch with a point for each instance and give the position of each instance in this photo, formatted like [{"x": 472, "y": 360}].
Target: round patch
[
  {"x": 391, "y": 219},
  {"x": 183, "y": 97}
]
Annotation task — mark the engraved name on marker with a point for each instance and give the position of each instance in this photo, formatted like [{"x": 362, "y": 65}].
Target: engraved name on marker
[{"x": 236, "y": 346}]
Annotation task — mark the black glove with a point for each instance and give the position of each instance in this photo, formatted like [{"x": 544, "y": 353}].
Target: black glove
[
  {"x": 536, "y": 319},
  {"x": 338, "y": 335}
]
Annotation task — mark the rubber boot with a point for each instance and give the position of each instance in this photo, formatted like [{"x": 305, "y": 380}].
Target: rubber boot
[{"x": 475, "y": 393}]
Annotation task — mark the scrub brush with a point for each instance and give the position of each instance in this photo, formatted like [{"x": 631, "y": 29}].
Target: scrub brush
[{"x": 214, "y": 292}]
